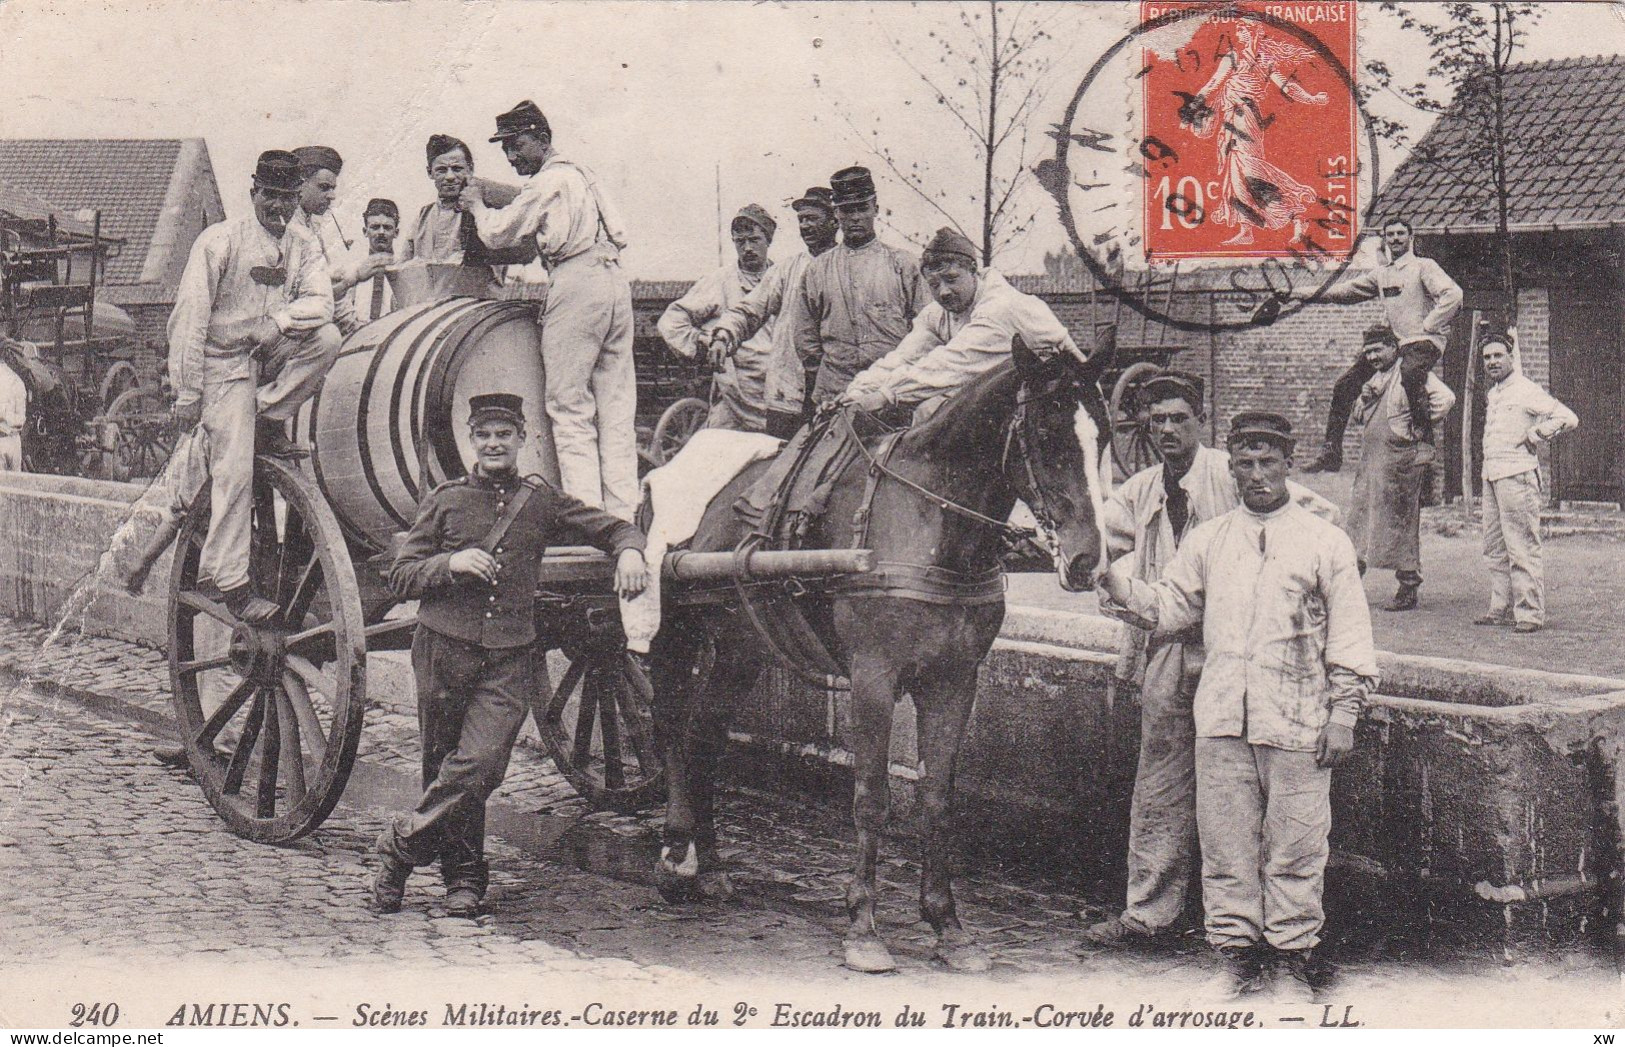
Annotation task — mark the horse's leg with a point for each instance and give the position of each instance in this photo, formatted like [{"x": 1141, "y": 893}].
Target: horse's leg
[
  {"x": 677, "y": 871},
  {"x": 733, "y": 675},
  {"x": 943, "y": 705},
  {"x": 874, "y": 693}
]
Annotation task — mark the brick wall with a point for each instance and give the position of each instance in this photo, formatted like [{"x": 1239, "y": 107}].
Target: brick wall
[{"x": 1534, "y": 335}]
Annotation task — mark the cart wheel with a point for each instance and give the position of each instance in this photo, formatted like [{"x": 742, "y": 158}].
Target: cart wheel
[
  {"x": 599, "y": 726},
  {"x": 679, "y": 422},
  {"x": 276, "y": 708},
  {"x": 145, "y": 433},
  {"x": 120, "y": 379},
  {"x": 1132, "y": 446}
]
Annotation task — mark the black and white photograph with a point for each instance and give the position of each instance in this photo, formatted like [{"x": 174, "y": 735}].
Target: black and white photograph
[{"x": 975, "y": 515}]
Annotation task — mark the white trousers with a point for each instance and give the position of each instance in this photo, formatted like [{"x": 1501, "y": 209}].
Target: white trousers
[
  {"x": 11, "y": 452},
  {"x": 232, "y": 398},
  {"x": 592, "y": 387},
  {"x": 1511, "y": 519}
]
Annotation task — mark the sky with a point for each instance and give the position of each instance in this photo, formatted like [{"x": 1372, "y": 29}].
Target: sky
[{"x": 674, "y": 105}]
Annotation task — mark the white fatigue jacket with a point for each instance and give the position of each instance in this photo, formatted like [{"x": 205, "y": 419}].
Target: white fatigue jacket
[
  {"x": 1137, "y": 526},
  {"x": 1385, "y": 392},
  {"x": 1517, "y": 413},
  {"x": 775, "y": 304},
  {"x": 13, "y": 402},
  {"x": 561, "y": 206},
  {"x": 944, "y": 351},
  {"x": 1284, "y": 622},
  {"x": 218, "y": 302},
  {"x": 1418, "y": 297},
  {"x": 697, "y": 313},
  {"x": 324, "y": 229}
]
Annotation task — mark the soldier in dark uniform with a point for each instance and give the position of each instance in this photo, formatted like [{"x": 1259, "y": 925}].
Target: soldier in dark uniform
[{"x": 472, "y": 654}]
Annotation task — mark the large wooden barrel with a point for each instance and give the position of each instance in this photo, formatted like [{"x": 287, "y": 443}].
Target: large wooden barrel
[{"x": 391, "y": 419}]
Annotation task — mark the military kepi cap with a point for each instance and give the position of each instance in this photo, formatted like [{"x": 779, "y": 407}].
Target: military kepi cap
[
  {"x": 1261, "y": 425},
  {"x": 818, "y": 197},
  {"x": 852, "y": 185},
  {"x": 1171, "y": 384},
  {"x": 525, "y": 116},
  {"x": 315, "y": 158},
  {"x": 496, "y": 405},
  {"x": 277, "y": 170},
  {"x": 754, "y": 214},
  {"x": 949, "y": 243}
]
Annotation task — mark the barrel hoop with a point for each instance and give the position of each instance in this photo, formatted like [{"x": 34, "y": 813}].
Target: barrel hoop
[
  {"x": 437, "y": 424},
  {"x": 456, "y": 314},
  {"x": 416, "y": 422},
  {"x": 369, "y": 469}
]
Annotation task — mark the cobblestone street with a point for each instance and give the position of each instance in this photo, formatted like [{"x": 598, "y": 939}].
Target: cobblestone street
[{"x": 108, "y": 858}]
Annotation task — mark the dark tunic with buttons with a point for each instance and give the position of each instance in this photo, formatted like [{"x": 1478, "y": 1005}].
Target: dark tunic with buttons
[{"x": 471, "y": 655}]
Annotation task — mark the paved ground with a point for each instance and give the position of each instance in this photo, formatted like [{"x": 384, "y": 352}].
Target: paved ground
[
  {"x": 117, "y": 879},
  {"x": 1585, "y": 587}
]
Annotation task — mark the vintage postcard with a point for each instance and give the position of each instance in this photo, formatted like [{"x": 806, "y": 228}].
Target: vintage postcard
[{"x": 682, "y": 516}]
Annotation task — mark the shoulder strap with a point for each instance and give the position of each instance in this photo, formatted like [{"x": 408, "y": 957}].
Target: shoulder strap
[{"x": 509, "y": 515}]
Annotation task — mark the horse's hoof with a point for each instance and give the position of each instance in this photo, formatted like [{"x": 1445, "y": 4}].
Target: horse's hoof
[
  {"x": 678, "y": 881},
  {"x": 964, "y": 957},
  {"x": 868, "y": 955},
  {"x": 716, "y": 885}
]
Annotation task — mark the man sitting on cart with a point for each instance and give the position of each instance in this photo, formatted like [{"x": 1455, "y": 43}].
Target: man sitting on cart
[
  {"x": 471, "y": 560},
  {"x": 965, "y": 331},
  {"x": 250, "y": 339}
]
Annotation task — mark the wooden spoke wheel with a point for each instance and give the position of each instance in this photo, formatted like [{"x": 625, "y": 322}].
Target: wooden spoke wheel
[
  {"x": 146, "y": 434},
  {"x": 1133, "y": 449},
  {"x": 271, "y": 715},
  {"x": 677, "y": 424},
  {"x": 120, "y": 379},
  {"x": 598, "y": 724}
]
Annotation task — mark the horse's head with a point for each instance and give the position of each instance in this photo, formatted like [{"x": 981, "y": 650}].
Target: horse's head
[{"x": 1053, "y": 455}]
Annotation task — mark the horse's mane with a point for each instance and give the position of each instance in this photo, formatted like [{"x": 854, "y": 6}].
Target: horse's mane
[{"x": 971, "y": 398}]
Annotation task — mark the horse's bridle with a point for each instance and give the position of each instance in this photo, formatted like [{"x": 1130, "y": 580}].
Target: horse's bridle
[{"x": 1016, "y": 440}]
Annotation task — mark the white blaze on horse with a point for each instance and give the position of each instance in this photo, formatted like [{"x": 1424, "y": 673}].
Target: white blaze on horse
[{"x": 931, "y": 502}]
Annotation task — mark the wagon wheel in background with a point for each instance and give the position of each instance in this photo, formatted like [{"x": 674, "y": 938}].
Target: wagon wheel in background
[
  {"x": 120, "y": 379},
  {"x": 677, "y": 424},
  {"x": 145, "y": 434},
  {"x": 271, "y": 715},
  {"x": 598, "y": 723},
  {"x": 1133, "y": 449}
]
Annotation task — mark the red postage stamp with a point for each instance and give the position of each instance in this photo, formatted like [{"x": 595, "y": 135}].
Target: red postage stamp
[{"x": 1250, "y": 123}]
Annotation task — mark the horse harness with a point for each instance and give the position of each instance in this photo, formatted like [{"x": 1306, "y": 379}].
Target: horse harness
[{"x": 780, "y": 621}]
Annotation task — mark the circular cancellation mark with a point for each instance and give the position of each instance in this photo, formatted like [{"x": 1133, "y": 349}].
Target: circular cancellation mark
[{"x": 1290, "y": 217}]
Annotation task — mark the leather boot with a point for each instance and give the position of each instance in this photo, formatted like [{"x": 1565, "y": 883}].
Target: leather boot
[
  {"x": 389, "y": 883},
  {"x": 1405, "y": 596},
  {"x": 246, "y": 607},
  {"x": 1329, "y": 461},
  {"x": 1241, "y": 971},
  {"x": 1290, "y": 977},
  {"x": 271, "y": 438}
]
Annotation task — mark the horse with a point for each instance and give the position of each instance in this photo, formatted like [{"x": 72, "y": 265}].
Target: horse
[{"x": 1028, "y": 428}]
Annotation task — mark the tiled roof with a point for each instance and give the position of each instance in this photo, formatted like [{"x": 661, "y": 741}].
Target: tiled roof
[
  {"x": 1565, "y": 130},
  {"x": 20, "y": 204},
  {"x": 127, "y": 178}
]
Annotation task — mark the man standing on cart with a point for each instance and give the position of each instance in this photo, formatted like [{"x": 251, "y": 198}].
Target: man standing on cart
[
  {"x": 250, "y": 340},
  {"x": 587, "y": 323},
  {"x": 471, "y": 560}
]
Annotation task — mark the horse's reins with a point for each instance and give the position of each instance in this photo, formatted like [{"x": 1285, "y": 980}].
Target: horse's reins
[{"x": 1009, "y": 532}]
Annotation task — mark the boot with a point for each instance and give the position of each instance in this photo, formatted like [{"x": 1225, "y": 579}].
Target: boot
[
  {"x": 1405, "y": 596},
  {"x": 389, "y": 883},
  {"x": 1290, "y": 977},
  {"x": 246, "y": 607},
  {"x": 271, "y": 438},
  {"x": 1240, "y": 972},
  {"x": 464, "y": 901},
  {"x": 1330, "y": 460}
]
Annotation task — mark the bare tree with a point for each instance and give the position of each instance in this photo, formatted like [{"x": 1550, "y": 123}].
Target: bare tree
[
  {"x": 988, "y": 69},
  {"x": 1472, "y": 47}
]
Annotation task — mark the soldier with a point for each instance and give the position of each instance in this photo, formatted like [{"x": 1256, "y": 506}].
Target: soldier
[
  {"x": 858, "y": 299},
  {"x": 250, "y": 339},
  {"x": 319, "y": 168},
  {"x": 471, "y": 560},
  {"x": 686, "y": 325},
  {"x": 382, "y": 222},
  {"x": 592, "y": 388}
]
